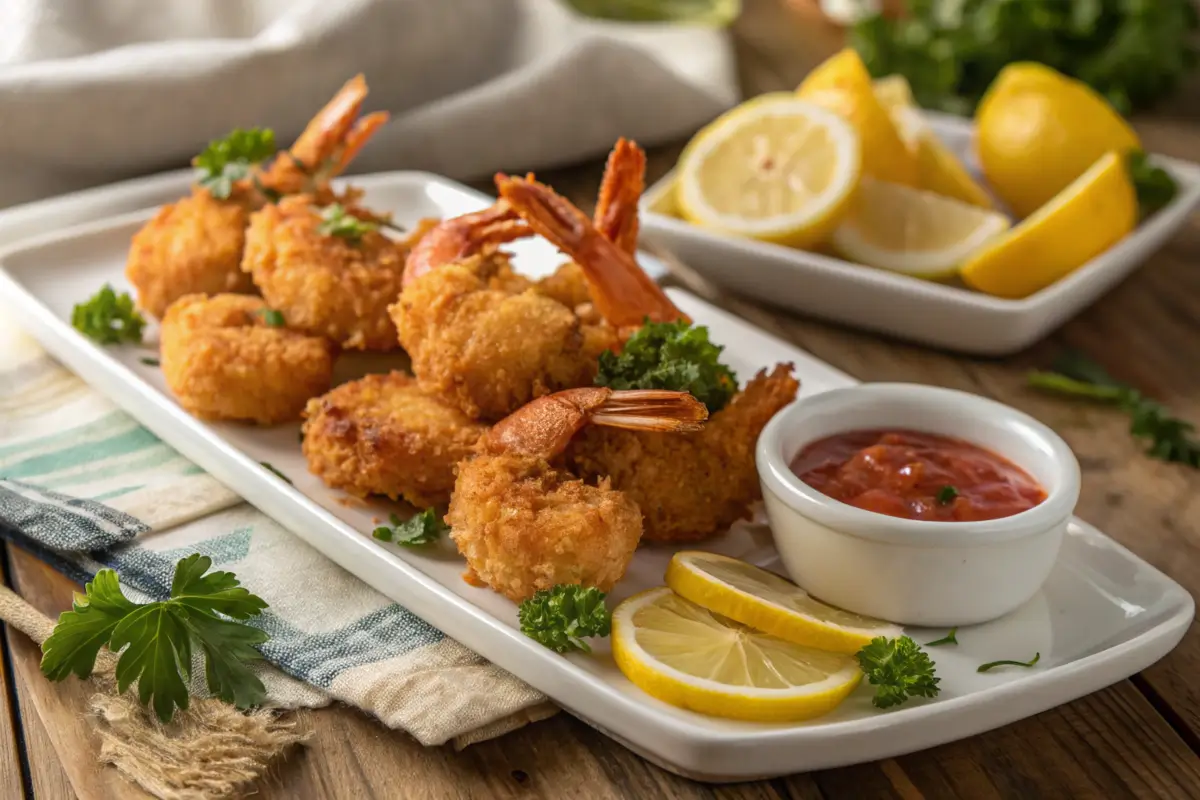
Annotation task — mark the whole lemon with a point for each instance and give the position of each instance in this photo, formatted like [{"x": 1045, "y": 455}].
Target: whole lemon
[{"x": 1038, "y": 130}]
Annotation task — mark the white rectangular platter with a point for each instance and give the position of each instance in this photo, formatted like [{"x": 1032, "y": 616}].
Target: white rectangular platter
[
  {"x": 944, "y": 315},
  {"x": 1103, "y": 615}
]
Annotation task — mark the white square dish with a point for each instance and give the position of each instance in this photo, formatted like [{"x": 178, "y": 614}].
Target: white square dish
[
  {"x": 942, "y": 315},
  {"x": 1102, "y": 615}
]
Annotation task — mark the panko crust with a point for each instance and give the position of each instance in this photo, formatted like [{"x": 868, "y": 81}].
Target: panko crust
[
  {"x": 383, "y": 434},
  {"x": 325, "y": 285},
  {"x": 689, "y": 486},
  {"x": 193, "y": 246},
  {"x": 489, "y": 342},
  {"x": 223, "y": 362},
  {"x": 523, "y": 525},
  {"x": 567, "y": 285}
]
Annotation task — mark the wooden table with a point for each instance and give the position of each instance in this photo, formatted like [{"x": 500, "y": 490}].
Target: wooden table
[{"x": 1138, "y": 738}]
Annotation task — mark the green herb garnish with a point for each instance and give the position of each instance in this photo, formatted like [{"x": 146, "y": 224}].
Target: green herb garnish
[
  {"x": 946, "y": 495},
  {"x": 108, "y": 317},
  {"x": 561, "y": 617},
  {"x": 898, "y": 669},
  {"x": 1170, "y": 437},
  {"x": 1154, "y": 185},
  {"x": 157, "y": 639},
  {"x": 150, "y": 362},
  {"x": 226, "y": 161},
  {"x": 278, "y": 474},
  {"x": 671, "y": 355},
  {"x": 271, "y": 317},
  {"x": 716, "y": 13},
  {"x": 993, "y": 664},
  {"x": 424, "y": 528},
  {"x": 949, "y": 638},
  {"x": 336, "y": 221},
  {"x": 1133, "y": 53}
]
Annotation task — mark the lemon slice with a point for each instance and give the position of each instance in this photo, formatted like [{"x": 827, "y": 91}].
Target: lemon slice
[
  {"x": 912, "y": 231},
  {"x": 689, "y": 657},
  {"x": 1080, "y": 223},
  {"x": 776, "y": 168},
  {"x": 767, "y": 602}
]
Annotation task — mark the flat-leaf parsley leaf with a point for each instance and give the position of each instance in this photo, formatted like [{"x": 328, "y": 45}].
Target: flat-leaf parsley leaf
[
  {"x": 671, "y": 355},
  {"x": 226, "y": 161},
  {"x": 424, "y": 528},
  {"x": 560, "y": 617},
  {"x": 155, "y": 640},
  {"x": 898, "y": 669},
  {"x": 337, "y": 221},
  {"x": 108, "y": 317}
]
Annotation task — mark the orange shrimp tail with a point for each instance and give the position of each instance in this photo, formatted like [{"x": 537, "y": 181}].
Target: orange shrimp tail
[
  {"x": 460, "y": 237},
  {"x": 358, "y": 136},
  {"x": 624, "y": 181},
  {"x": 545, "y": 426},
  {"x": 621, "y": 291}
]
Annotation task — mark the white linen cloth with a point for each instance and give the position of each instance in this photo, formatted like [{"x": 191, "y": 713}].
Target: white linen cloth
[{"x": 92, "y": 91}]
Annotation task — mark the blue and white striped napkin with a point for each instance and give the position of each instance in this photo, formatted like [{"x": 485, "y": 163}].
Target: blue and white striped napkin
[{"x": 85, "y": 487}]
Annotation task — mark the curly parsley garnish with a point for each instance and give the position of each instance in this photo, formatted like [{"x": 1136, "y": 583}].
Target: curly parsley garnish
[
  {"x": 671, "y": 355},
  {"x": 226, "y": 161},
  {"x": 155, "y": 640},
  {"x": 337, "y": 221},
  {"x": 898, "y": 669},
  {"x": 424, "y": 528},
  {"x": 993, "y": 664},
  {"x": 108, "y": 317},
  {"x": 1170, "y": 438},
  {"x": 561, "y": 617}
]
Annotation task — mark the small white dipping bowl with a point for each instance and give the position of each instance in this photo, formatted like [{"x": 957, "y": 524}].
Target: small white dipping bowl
[{"x": 916, "y": 572}]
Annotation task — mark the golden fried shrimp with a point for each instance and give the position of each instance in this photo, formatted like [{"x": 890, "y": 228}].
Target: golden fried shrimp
[
  {"x": 384, "y": 435},
  {"x": 194, "y": 246},
  {"x": 324, "y": 284},
  {"x": 523, "y": 524},
  {"x": 693, "y": 486},
  {"x": 223, "y": 361}
]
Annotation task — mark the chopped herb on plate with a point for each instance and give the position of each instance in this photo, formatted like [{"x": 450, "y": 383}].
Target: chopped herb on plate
[
  {"x": 424, "y": 528},
  {"x": 898, "y": 669},
  {"x": 560, "y": 618},
  {"x": 226, "y": 161},
  {"x": 949, "y": 638},
  {"x": 993, "y": 664},
  {"x": 108, "y": 317}
]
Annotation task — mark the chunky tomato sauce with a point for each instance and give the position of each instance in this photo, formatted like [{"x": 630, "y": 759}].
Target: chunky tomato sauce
[{"x": 917, "y": 476}]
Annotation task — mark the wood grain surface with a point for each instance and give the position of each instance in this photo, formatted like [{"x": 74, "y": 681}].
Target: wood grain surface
[{"x": 1136, "y": 739}]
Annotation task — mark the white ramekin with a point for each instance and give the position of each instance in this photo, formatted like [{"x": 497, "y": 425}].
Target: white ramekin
[{"x": 916, "y": 572}]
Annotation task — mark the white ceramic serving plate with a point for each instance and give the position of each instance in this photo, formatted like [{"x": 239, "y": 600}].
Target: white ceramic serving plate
[
  {"x": 1102, "y": 615},
  {"x": 943, "y": 315}
]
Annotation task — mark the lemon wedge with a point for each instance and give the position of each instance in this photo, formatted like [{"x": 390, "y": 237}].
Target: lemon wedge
[
  {"x": 1080, "y": 223},
  {"x": 766, "y": 602},
  {"x": 912, "y": 231},
  {"x": 687, "y": 656},
  {"x": 775, "y": 168}
]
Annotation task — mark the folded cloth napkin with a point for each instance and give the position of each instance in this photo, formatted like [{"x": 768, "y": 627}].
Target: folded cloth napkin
[{"x": 92, "y": 92}]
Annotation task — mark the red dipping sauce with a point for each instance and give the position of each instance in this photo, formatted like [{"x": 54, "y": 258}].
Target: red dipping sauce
[{"x": 917, "y": 476}]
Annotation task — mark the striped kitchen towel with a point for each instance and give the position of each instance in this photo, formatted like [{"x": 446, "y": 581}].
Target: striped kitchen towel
[{"x": 86, "y": 487}]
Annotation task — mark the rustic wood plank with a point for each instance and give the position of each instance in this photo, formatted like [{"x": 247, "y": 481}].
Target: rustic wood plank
[{"x": 10, "y": 744}]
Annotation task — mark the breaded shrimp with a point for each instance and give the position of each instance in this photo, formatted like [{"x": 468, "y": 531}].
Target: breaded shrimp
[
  {"x": 195, "y": 245},
  {"x": 223, "y": 361},
  {"x": 325, "y": 284},
  {"x": 523, "y": 524},
  {"x": 383, "y": 434},
  {"x": 691, "y": 486}
]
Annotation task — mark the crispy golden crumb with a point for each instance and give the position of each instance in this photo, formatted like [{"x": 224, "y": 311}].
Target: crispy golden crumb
[
  {"x": 384, "y": 435},
  {"x": 689, "y": 486},
  {"x": 523, "y": 526},
  {"x": 222, "y": 361},
  {"x": 322, "y": 284},
  {"x": 483, "y": 338},
  {"x": 567, "y": 285},
  {"x": 193, "y": 246}
]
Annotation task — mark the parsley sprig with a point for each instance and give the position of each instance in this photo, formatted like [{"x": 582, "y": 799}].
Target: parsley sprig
[
  {"x": 949, "y": 638},
  {"x": 898, "y": 669},
  {"x": 1170, "y": 438},
  {"x": 337, "y": 221},
  {"x": 226, "y": 161},
  {"x": 108, "y": 317},
  {"x": 561, "y": 617},
  {"x": 424, "y": 528},
  {"x": 671, "y": 355},
  {"x": 1154, "y": 185},
  {"x": 991, "y": 665},
  {"x": 155, "y": 640}
]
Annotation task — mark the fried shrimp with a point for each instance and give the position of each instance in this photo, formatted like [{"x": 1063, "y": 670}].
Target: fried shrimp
[
  {"x": 194, "y": 246},
  {"x": 524, "y": 524},
  {"x": 338, "y": 286},
  {"x": 692, "y": 486},
  {"x": 222, "y": 360},
  {"x": 384, "y": 435}
]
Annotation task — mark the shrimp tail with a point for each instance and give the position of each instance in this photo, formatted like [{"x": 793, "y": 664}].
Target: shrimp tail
[
  {"x": 622, "y": 292},
  {"x": 624, "y": 181},
  {"x": 459, "y": 237},
  {"x": 545, "y": 426}
]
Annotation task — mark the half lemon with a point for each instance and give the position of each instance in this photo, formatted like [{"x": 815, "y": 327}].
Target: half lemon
[
  {"x": 764, "y": 601},
  {"x": 775, "y": 168},
  {"x": 914, "y": 232},
  {"x": 687, "y": 656}
]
